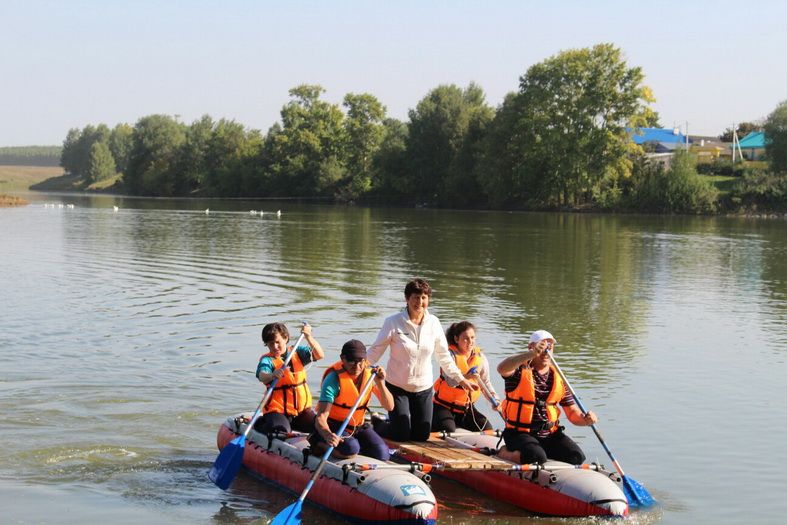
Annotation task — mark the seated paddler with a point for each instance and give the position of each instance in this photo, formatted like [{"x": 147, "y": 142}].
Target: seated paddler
[
  {"x": 290, "y": 405},
  {"x": 341, "y": 387},
  {"x": 535, "y": 393}
]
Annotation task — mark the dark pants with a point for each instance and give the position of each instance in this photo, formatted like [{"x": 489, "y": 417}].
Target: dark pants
[
  {"x": 533, "y": 449},
  {"x": 277, "y": 422},
  {"x": 445, "y": 419},
  {"x": 411, "y": 417},
  {"x": 364, "y": 440}
]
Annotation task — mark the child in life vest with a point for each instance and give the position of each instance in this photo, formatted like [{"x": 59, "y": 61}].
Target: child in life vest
[{"x": 290, "y": 405}]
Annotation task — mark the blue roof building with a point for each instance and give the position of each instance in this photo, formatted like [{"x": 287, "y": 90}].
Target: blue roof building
[
  {"x": 754, "y": 140},
  {"x": 753, "y": 145},
  {"x": 665, "y": 140}
]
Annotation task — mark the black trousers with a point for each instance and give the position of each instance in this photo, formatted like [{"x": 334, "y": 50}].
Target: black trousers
[
  {"x": 411, "y": 417},
  {"x": 444, "y": 419},
  {"x": 535, "y": 449},
  {"x": 278, "y": 422}
]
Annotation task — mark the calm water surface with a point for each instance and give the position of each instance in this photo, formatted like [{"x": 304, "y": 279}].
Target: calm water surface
[{"x": 127, "y": 337}]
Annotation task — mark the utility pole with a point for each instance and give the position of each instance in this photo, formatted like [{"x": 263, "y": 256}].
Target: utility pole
[{"x": 734, "y": 139}]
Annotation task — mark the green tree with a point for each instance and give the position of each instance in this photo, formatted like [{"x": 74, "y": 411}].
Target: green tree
[
  {"x": 90, "y": 135},
  {"x": 227, "y": 158},
  {"x": 503, "y": 171},
  {"x": 192, "y": 167},
  {"x": 306, "y": 152},
  {"x": 390, "y": 165},
  {"x": 438, "y": 132},
  {"x": 68, "y": 157},
  {"x": 364, "y": 132},
  {"x": 155, "y": 153},
  {"x": 462, "y": 188},
  {"x": 565, "y": 130},
  {"x": 77, "y": 147},
  {"x": 776, "y": 138},
  {"x": 120, "y": 143},
  {"x": 680, "y": 189},
  {"x": 101, "y": 164}
]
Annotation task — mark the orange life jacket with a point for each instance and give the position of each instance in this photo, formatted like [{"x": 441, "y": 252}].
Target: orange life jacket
[
  {"x": 348, "y": 395},
  {"x": 456, "y": 398},
  {"x": 291, "y": 396},
  {"x": 520, "y": 403}
]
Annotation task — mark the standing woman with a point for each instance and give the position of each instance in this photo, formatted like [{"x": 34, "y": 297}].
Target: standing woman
[
  {"x": 414, "y": 336},
  {"x": 454, "y": 406}
]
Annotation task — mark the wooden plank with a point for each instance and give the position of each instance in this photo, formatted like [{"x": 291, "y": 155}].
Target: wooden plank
[{"x": 451, "y": 457}]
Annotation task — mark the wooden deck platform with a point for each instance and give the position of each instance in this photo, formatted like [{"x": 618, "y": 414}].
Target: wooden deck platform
[{"x": 450, "y": 456}]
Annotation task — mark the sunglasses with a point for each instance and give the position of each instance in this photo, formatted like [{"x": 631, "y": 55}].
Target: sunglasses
[{"x": 353, "y": 361}]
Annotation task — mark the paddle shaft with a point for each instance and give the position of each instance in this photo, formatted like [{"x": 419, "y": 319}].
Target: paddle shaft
[
  {"x": 428, "y": 467},
  {"x": 368, "y": 386},
  {"x": 270, "y": 387},
  {"x": 490, "y": 397},
  {"x": 485, "y": 389},
  {"x": 582, "y": 408}
]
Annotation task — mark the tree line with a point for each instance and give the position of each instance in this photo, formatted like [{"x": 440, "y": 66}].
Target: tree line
[
  {"x": 30, "y": 155},
  {"x": 561, "y": 140}
]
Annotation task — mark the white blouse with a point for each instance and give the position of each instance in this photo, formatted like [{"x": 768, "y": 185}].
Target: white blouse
[{"x": 409, "y": 364}]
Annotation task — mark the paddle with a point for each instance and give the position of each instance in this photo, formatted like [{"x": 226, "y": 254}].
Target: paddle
[
  {"x": 489, "y": 396},
  {"x": 292, "y": 514},
  {"x": 636, "y": 494},
  {"x": 229, "y": 460}
]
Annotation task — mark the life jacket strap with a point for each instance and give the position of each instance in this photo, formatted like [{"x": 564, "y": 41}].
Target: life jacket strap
[{"x": 540, "y": 403}]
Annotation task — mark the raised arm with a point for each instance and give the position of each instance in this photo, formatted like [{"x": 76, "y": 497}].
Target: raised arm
[
  {"x": 509, "y": 365},
  {"x": 317, "y": 351}
]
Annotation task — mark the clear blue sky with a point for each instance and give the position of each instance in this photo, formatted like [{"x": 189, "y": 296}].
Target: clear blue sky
[{"x": 68, "y": 63}]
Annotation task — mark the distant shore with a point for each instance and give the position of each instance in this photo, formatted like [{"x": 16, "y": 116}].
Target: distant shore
[{"x": 53, "y": 179}]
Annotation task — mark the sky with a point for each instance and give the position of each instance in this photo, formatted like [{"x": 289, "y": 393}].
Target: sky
[{"x": 68, "y": 63}]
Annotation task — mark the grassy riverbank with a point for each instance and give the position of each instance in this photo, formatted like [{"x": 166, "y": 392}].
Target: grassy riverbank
[
  {"x": 49, "y": 178},
  {"x": 21, "y": 178}
]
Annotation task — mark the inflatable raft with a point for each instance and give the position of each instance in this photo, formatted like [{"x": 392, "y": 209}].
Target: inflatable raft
[
  {"x": 373, "y": 496},
  {"x": 556, "y": 489}
]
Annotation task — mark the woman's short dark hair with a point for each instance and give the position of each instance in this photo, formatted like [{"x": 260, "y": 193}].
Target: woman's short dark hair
[
  {"x": 417, "y": 286},
  {"x": 270, "y": 330},
  {"x": 456, "y": 329}
]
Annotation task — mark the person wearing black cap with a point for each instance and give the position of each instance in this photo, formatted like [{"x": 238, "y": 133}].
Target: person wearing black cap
[{"x": 341, "y": 386}]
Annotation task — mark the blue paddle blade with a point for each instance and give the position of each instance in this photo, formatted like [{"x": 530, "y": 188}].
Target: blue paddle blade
[
  {"x": 289, "y": 516},
  {"x": 637, "y": 495},
  {"x": 228, "y": 463}
]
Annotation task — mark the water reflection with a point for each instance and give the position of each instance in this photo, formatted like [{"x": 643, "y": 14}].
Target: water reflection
[{"x": 130, "y": 335}]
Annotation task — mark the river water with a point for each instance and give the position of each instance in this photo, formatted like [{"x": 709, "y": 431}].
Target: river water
[{"x": 127, "y": 337}]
